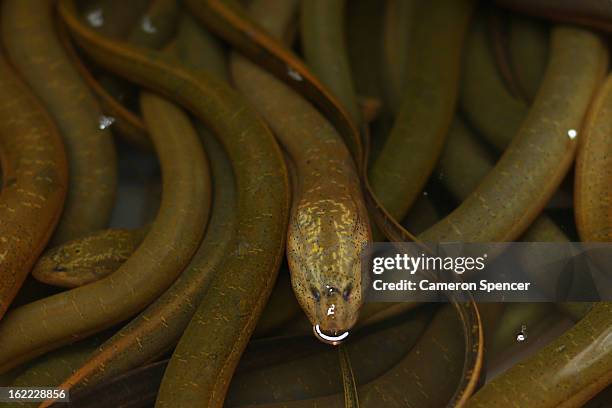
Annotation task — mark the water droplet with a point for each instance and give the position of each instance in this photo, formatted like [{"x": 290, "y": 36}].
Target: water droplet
[
  {"x": 293, "y": 74},
  {"x": 96, "y": 18},
  {"x": 147, "y": 25},
  {"x": 572, "y": 133},
  {"x": 105, "y": 121},
  {"x": 522, "y": 335},
  {"x": 334, "y": 339}
]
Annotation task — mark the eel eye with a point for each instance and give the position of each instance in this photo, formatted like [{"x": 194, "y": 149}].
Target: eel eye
[
  {"x": 315, "y": 293},
  {"x": 347, "y": 292}
]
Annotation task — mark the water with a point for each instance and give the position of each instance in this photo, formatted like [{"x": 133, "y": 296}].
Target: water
[
  {"x": 334, "y": 340},
  {"x": 147, "y": 25},
  {"x": 293, "y": 74},
  {"x": 522, "y": 335},
  {"x": 105, "y": 122},
  {"x": 96, "y": 18}
]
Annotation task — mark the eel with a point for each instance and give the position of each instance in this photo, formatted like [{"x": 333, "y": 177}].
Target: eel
[
  {"x": 528, "y": 48},
  {"x": 152, "y": 24},
  {"x": 397, "y": 38},
  {"x": 484, "y": 99},
  {"x": 201, "y": 51},
  {"x": 351, "y": 398},
  {"x": 297, "y": 355},
  {"x": 498, "y": 34},
  {"x": 230, "y": 21},
  {"x": 465, "y": 163},
  {"x": 128, "y": 125},
  {"x": 282, "y": 307},
  {"x": 596, "y": 14},
  {"x": 322, "y": 29},
  {"x": 548, "y": 378},
  {"x": 373, "y": 352},
  {"x": 89, "y": 258},
  {"x": 262, "y": 213},
  {"x": 425, "y": 114},
  {"x": 564, "y": 374},
  {"x": 534, "y": 164},
  {"x": 328, "y": 225},
  {"x": 410, "y": 382},
  {"x": 34, "y": 183},
  {"x": 34, "y": 49},
  {"x": 171, "y": 242},
  {"x": 593, "y": 187},
  {"x": 49, "y": 369},
  {"x": 98, "y": 254},
  {"x": 159, "y": 327},
  {"x": 363, "y": 30},
  {"x": 532, "y": 315}
]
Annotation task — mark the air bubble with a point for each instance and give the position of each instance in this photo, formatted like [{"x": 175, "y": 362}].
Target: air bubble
[
  {"x": 522, "y": 335},
  {"x": 334, "y": 340},
  {"x": 96, "y": 18},
  {"x": 293, "y": 74},
  {"x": 105, "y": 122},
  {"x": 147, "y": 25},
  {"x": 572, "y": 133}
]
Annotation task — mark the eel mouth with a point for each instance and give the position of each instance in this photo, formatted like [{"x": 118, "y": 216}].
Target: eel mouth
[{"x": 334, "y": 338}]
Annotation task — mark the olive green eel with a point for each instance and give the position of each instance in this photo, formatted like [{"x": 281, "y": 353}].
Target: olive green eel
[
  {"x": 591, "y": 13},
  {"x": 328, "y": 225},
  {"x": 262, "y": 207},
  {"x": 322, "y": 25},
  {"x": 484, "y": 98},
  {"x": 528, "y": 49},
  {"x": 564, "y": 374},
  {"x": 35, "y": 180},
  {"x": 518, "y": 187},
  {"x": 34, "y": 49},
  {"x": 397, "y": 38},
  {"x": 593, "y": 190},
  {"x": 89, "y": 258},
  {"x": 168, "y": 247},
  {"x": 429, "y": 94}
]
